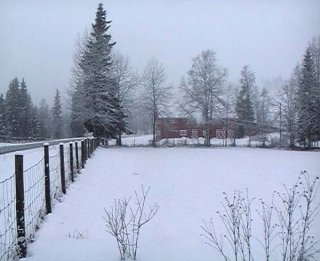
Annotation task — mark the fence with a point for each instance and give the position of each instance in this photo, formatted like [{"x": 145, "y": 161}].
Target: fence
[{"x": 29, "y": 194}]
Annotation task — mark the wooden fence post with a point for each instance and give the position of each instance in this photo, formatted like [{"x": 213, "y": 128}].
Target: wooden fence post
[
  {"x": 89, "y": 148},
  {"x": 62, "y": 170},
  {"x": 77, "y": 157},
  {"x": 21, "y": 231},
  {"x": 82, "y": 154},
  {"x": 47, "y": 178},
  {"x": 71, "y": 162},
  {"x": 85, "y": 150}
]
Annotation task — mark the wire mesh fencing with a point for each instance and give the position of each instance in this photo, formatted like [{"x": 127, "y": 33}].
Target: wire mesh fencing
[
  {"x": 55, "y": 177},
  {"x": 8, "y": 236},
  {"x": 34, "y": 198},
  {"x": 28, "y": 203}
]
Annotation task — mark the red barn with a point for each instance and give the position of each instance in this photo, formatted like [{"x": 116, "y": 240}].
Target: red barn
[{"x": 167, "y": 128}]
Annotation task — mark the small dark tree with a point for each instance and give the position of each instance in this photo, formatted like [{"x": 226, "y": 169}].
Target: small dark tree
[
  {"x": 244, "y": 104},
  {"x": 3, "y": 130},
  {"x": 57, "y": 116},
  {"x": 44, "y": 120},
  {"x": 26, "y": 112}
]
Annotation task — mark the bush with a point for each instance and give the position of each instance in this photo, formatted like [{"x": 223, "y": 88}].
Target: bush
[
  {"x": 287, "y": 224},
  {"x": 126, "y": 228}
]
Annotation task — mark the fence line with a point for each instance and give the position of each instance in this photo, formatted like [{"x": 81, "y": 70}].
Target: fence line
[
  {"x": 8, "y": 237},
  {"x": 33, "y": 198},
  {"x": 21, "y": 213}
]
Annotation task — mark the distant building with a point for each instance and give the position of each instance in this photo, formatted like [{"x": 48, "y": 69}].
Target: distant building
[{"x": 167, "y": 128}]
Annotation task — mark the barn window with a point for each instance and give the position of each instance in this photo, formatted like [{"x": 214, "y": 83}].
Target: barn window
[
  {"x": 204, "y": 133},
  {"x": 183, "y": 133},
  {"x": 194, "y": 133}
]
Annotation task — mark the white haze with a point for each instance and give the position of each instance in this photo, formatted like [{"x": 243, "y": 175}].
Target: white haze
[{"x": 37, "y": 38}]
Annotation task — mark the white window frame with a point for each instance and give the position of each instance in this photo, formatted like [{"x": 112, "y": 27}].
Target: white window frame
[{"x": 183, "y": 133}]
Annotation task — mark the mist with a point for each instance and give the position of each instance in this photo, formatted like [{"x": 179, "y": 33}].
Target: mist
[{"x": 38, "y": 38}]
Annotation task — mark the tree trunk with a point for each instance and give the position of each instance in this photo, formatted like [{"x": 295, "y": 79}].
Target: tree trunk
[
  {"x": 154, "y": 131},
  {"x": 119, "y": 141}
]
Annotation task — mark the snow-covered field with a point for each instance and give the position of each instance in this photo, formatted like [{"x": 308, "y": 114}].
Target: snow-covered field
[{"x": 186, "y": 182}]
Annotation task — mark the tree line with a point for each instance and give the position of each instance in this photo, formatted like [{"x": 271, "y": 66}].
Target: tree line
[
  {"x": 108, "y": 98},
  {"x": 21, "y": 120}
]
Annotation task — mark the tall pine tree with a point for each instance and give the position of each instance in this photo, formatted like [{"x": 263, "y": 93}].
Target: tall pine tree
[
  {"x": 95, "y": 100},
  {"x": 307, "y": 102}
]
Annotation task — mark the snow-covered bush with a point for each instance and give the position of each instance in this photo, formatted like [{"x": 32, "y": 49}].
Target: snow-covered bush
[
  {"x": 126, "y": 227},
  {"x": 286, "y": 222}
]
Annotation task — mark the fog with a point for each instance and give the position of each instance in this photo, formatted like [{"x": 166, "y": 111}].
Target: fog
[{"x": 37, "y": 38}]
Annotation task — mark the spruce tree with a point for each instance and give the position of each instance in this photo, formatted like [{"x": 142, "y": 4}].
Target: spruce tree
[
  {"x": 26, "y": 112},
  {"x": 35, "y": 124},
  {"x": 57, "y": 123},
  {"x": 315, "y": 54},
  {"x": 13, "y": 109},
  {"x": 3, "y": 130},
  {"x": 307, "y": 102},
  {"x": 244, "y": 104},
  {"x": 44, "y": 120},
  {"x": 94, "y": 101}
]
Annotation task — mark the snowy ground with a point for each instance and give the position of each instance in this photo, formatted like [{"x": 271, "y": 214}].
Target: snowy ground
[{"x": 186, "y": 182}]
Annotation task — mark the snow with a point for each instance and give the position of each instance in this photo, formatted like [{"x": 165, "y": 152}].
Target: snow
[{"x": 186, "y": 182}]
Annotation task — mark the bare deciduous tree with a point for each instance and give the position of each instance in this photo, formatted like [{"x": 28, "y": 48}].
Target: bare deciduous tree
[
  {"x": 156, "y": 94},
  {"x": 203, "y": 89},
  {"x": 126, "y": 81}
]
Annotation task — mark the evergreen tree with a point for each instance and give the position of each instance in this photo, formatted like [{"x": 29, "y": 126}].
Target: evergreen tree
[
  {"x": 57, "y": 123},
  {"x": 315, "y": 54},
  {"x": 95, "y": 101},
  {"x": 35, "y": 124},
  {"x": 26, "y": 112},
  {"x": 307, "y": 102},
  {"x": 44, "y": 120},
  {"x": 3, "y": 130},
  {"x": 13, "y": 109},
  {"x": 244, "y": 104}
]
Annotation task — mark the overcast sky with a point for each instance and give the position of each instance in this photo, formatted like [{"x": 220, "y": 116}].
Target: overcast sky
[{"x": 37, "y": 37}]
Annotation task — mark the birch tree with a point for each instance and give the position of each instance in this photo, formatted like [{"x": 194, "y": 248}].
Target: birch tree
[
  {"x": 156, "y": 93},
  {"x": 203, "y": 88}
]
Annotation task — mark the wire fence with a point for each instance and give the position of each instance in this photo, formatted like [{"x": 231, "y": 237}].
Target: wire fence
[
  {"x": 34, "y": 197},
  {"x": 8, "y": 237},
  {"x": 36, "y": 193}
]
